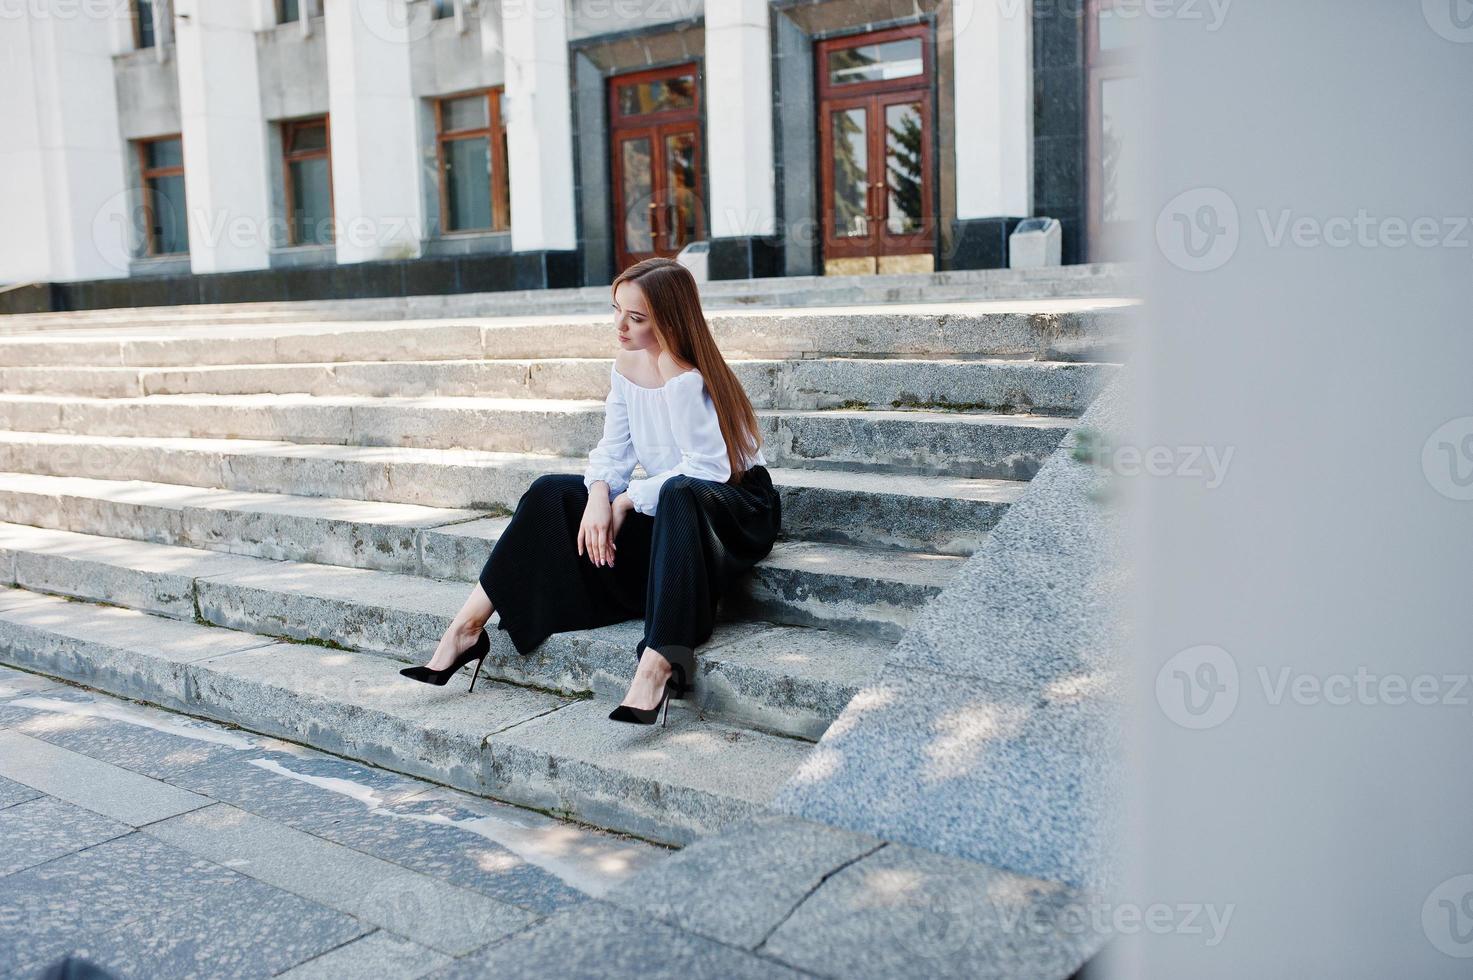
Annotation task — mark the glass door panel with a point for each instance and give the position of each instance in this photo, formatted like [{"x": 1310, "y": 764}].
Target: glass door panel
[
  {"x": 850, "y": 148},
  {"x": 681, "y": 192},
  {"x": 638, "y": 192}
]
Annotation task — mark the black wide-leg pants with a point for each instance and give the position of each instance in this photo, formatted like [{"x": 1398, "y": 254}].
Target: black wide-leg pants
[{"x": 671, "y": 568}]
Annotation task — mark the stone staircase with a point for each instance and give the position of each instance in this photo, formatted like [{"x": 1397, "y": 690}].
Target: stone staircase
[{"x": 259, "y": 521}]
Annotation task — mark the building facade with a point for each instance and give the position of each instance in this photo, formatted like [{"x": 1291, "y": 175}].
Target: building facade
[{"x": 203, "y": 150}]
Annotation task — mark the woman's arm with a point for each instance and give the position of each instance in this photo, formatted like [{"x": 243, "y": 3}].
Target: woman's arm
[
  {"x": 697, "y": 432},
  {"x": 613, "y": 459}
]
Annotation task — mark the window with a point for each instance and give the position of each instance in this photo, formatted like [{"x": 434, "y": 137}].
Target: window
[
  {"x": 143, "y": 36},
  {"x": 288, "y": 11},
  {"x": 1112, "y": 105},
  {"x": 166, "y": 219},
  {"x": 307, "y": 165},
  {"x": 657, "y": 95},
  {"x": 474, "y": 195},
  {"x": 442, "y": 8},
  {"x": 883, "y": 61}
]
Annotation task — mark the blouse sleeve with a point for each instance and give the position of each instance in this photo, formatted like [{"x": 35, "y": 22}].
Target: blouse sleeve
[
  {"x": 613, "y": 459},
  {"x": 697, "y": 433}
]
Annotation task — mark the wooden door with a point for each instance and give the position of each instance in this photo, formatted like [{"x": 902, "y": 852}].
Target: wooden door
[
  {"x": 875, "y": 134},
  {"x": 657, "y": 166}
]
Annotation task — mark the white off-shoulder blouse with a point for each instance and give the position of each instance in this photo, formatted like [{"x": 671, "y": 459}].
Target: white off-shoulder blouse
[{"x": 667, "y": 430}]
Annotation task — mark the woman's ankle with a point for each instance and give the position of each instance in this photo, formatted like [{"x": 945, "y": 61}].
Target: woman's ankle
[{"x": 466, "y": 629}]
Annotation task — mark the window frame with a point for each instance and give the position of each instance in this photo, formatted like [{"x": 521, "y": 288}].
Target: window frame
[
  {"x": 288, "y": 127},
  {"x": 146, "y": 173},
  {"x": 1103, "y": 240},
  {"x": 135, "y": 9},
  {"x": 495, "y": 132}
]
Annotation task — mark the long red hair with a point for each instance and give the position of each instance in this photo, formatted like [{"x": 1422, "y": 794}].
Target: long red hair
[{"x": 680, "y": 324}]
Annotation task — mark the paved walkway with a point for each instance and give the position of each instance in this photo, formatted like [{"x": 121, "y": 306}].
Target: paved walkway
[{"x": 158, "y": 845}]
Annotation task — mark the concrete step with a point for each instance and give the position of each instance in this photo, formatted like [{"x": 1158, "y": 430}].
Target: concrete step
[
  {"x": 1099, "y": 280},
  {"x": 1055, "y": 329},
  {"x": 856, "y": 590},
  {"x": 1001, "y": 446},
  {"x": 791, "y": 680},
  {"x": 1044, "y": 387},
  {"x": 522, "y": 746},
  {"x": 944, "y": 515}
]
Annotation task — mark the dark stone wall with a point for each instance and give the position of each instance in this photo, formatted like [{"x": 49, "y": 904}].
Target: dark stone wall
[
  {"x": 1059, "y": 128},
  {"x": 405, "y": 277}
]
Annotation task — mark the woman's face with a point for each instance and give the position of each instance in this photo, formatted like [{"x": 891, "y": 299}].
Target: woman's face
[{"x": 632, "y": 321}]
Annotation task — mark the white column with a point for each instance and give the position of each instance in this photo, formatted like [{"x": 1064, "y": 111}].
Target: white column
[
  {"x": 375, "y": 145},
  {"x": 993, "y": 68},
  {"x": 739, "y": 104},
  {"x": 224, "y": 132},
  {"x": 539, "y": 126},
  {"x": 63, "y": 199}
]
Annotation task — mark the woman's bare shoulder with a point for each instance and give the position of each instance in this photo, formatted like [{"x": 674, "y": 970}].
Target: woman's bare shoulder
[{"x": 669, "y": 367}]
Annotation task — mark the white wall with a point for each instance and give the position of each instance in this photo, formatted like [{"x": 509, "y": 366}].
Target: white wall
[
  {"x": 993, "y": 67},
  {"x": 539, "y": 127},
  {"x": 224, "y": 132},
  {"x": 375, "y": 145},
  {"x": 62, "y": 159},
  {"x": 739, "y": 146}
]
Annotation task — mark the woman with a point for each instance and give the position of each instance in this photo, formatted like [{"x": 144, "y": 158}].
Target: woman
[{"x": 600, "y": 548}]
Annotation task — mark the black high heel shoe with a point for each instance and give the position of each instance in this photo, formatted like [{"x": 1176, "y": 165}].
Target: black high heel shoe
[
  {"x": 477, "y": 652},
  {"x": 674, "y": 687}
]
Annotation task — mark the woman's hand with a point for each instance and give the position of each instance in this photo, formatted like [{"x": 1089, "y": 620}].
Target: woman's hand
[
  {"x": 595, "y": 533},
  {"x": 621, "y": 506},
  {"x": 600, "y": 526}
]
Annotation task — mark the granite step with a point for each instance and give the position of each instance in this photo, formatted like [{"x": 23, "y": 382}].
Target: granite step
[
  {"x": 1104, "y": 280},
  {"x": 528, "y": 747},
  {"x": 1000, "y": 446},
  {"x": 942, "y": 515},
  {"x": 792, "y": 680},
  {"x": 855, "y": 590},
  {"x": 1053, "y": 329},
  {"x": 1043, "y": 387}
]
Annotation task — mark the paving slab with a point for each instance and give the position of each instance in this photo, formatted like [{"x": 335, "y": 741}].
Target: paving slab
[
  {"x": 43, "y": 828},
  {"x": 513, "y": 856},
  {"x": 242, "y": 928},
  {"x": 158, "y": 744},
  {"x": 100, "y": 787},
  {"x": 378, "y": 954},
  {"x": 131, "y": 878},
  {"x": 427, "y": 910},
  {"x": 601, "y": 940},
  {"x": 12, "y": 792}
]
